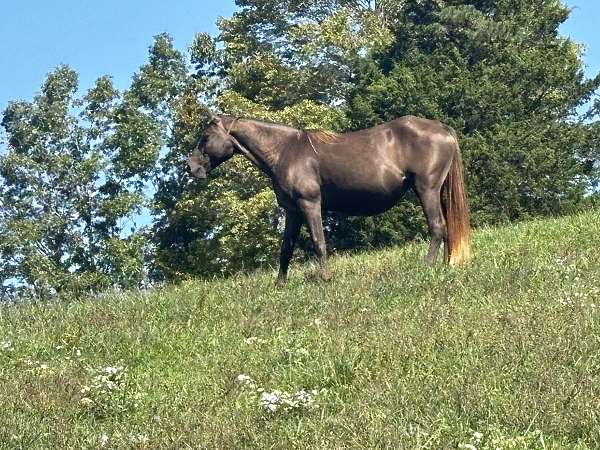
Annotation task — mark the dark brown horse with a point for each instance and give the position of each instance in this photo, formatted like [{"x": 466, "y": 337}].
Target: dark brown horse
[{"x": 360, "y": 173}]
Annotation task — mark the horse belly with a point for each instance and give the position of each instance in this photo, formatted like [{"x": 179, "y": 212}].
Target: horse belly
[{"x": 361, "y": 202}]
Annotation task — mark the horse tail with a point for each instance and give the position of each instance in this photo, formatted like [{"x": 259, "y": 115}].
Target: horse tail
[{"x": 457, "y": 210}]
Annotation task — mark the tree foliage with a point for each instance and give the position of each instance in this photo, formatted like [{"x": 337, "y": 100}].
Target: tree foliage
[
  {"x": 500, "y": 73},
  {"x": 68, "y": 197},
  {"x": 79, "y": 170}
]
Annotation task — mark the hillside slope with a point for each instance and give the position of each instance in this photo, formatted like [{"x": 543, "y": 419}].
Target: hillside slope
[{"x": 501, "y": 353}]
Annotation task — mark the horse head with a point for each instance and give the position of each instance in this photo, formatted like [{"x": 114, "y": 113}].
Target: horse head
[{"x": 214, "y": 147}]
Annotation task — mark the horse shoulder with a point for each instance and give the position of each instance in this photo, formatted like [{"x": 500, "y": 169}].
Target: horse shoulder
[{"x": 298, "y": 175}]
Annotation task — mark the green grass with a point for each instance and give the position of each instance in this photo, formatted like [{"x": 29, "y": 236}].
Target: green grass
[{"x": 402, "y": 355}]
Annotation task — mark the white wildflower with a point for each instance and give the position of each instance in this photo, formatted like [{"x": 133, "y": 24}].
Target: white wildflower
[
  {"x": 254, "y": 340},
  {"x": 270, "y": 401},
  {"x": 243, "y": 378},
  {"x": 275, "y": 400},
  {"x": 103, "y": 440},
  {"x": 477, "y": 436},
  {"x": 246, "y": 381},
  {"x": 109, "y": 390},
  {"x": 304, "y": 398},
  {"x": 138, "y": 438}
]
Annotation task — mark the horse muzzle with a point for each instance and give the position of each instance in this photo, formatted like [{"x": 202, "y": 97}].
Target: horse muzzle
[
  {"x": 196, "y": 168},
  {"x": 198, "y": 172}
]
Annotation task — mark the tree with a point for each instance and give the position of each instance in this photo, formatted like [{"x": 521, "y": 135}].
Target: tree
[
  {"x": 501, "y": 74},
  {"x": 66, "y": 200}
]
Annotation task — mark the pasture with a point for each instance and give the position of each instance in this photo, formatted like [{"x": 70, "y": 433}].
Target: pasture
[{"x": 501, "y": 353}]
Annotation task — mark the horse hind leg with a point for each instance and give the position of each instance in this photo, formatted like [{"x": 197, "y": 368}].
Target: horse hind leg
[{"x": 430, "y": 197}]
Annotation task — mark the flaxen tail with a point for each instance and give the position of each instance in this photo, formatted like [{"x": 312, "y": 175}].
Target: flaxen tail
[{"x": 457, "y": 211}]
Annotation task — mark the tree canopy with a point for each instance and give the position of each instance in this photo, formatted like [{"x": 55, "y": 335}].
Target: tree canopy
[{"x": 80, "y": 169}]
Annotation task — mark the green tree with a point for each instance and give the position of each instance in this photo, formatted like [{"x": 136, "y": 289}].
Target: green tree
[
  {"x": 67, "y": 203},
  {"x": 512, "y": 86}
]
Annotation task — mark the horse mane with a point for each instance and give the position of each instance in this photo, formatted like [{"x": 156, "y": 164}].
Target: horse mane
[{"x": 324, "y": 136}]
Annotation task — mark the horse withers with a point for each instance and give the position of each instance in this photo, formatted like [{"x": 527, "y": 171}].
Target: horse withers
[{"x": 363, "y": 172}]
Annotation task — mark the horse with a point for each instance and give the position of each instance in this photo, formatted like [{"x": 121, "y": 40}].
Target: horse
[{"x": 363, "y": 172}]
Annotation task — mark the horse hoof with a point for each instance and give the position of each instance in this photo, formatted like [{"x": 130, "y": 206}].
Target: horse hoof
[{"x": 326, "y": 276}]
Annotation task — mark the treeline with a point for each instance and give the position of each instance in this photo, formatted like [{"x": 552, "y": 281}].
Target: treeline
[{"x": 80, "y": 171}]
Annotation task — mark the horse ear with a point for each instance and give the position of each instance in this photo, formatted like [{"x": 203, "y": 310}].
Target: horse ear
[{"x": 213, "y": 117}]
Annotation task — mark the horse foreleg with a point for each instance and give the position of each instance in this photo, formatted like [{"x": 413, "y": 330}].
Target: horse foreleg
[
  {"x": 293, "y": 221},
  {"x": 312, "y": 214}
]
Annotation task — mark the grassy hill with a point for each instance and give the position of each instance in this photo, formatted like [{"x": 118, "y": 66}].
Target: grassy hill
[{"x": 502, "y": 353}]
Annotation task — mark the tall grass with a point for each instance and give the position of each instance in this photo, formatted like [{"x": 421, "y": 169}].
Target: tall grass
[{"x": 501, "y": 353}]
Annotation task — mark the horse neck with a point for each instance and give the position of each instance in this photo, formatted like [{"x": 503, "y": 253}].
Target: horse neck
[{"x": 260, "y": 142}]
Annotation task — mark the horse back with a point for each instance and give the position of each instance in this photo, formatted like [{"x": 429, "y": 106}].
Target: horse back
[{"x": 408, "y": 144}]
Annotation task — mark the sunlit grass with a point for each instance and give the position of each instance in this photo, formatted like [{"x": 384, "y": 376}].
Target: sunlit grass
[{"x": 501, "y": 353}]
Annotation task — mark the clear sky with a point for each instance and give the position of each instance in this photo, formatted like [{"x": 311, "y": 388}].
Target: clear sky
[
  {"x": 112, "y": 36},
  {"x": 583, "y": 27},
  {"x": 93, "y": 37}
]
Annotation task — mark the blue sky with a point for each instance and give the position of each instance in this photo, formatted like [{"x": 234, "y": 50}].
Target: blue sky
[
  {"x": 93, "y": 37},
  {"x": 112, "y": 37},
  {"x": 582, "y": 27}
]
